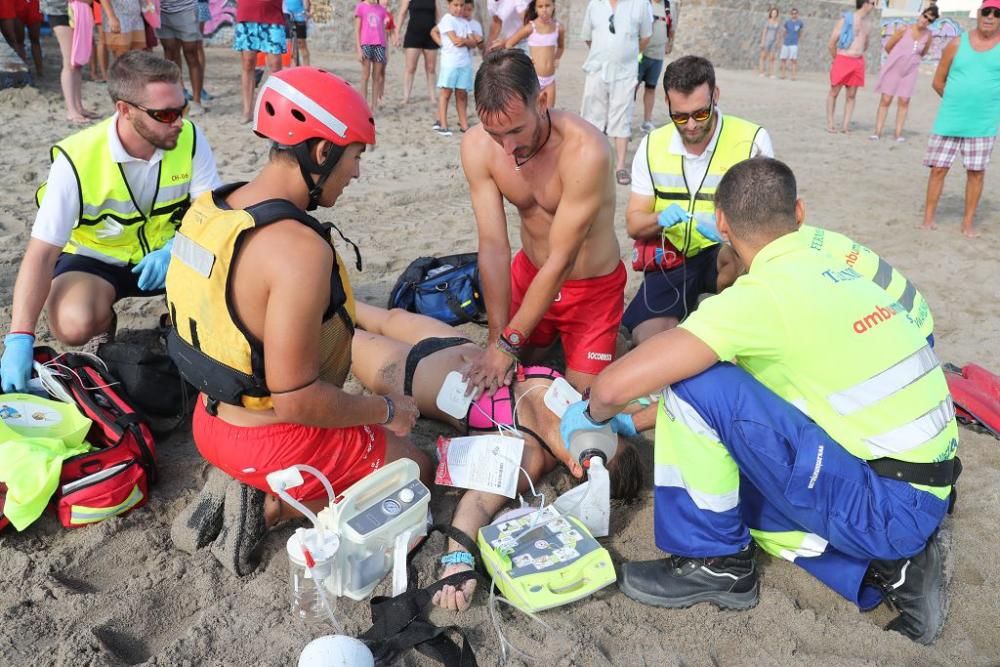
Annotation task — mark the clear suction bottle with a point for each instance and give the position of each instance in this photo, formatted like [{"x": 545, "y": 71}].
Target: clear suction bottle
[{"x": 312, "y": 553}]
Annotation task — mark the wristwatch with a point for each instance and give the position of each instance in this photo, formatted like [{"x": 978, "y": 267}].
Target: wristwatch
[{"x": 513, "y": 336}]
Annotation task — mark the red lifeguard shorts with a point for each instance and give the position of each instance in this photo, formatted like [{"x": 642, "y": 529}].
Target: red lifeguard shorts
[
  {"x": 586, "y": 315},
  {"x": 249, "y": 454},
  {"x": 27, "y": 12}
]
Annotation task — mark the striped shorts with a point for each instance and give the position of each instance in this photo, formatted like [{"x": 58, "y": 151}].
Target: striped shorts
[{"x": 942, "y": 151}]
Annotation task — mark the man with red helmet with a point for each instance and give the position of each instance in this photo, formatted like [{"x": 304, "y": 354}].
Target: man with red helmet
[{"x": 264, "y": 316}]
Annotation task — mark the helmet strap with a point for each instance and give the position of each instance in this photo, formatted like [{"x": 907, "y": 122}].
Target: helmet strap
[{"x": 309, "y": 167}]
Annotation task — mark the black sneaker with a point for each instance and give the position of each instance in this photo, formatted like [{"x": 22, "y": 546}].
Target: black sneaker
[
  {"x": 728, "y": 582},
  {"x": 917, "y": 588}
]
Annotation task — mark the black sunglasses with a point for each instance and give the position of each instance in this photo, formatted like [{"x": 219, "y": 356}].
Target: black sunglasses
[
  {"x": 985, "y": 11},
  {"x": 165, "y": 116},
  {"x": 611, "y": 24}
]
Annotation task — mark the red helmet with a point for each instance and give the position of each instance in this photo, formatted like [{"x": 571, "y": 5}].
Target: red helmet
[{"x": 303, "y": 103}]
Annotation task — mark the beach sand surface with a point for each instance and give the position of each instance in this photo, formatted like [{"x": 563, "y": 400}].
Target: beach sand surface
[{"x": 119, "y": 593}]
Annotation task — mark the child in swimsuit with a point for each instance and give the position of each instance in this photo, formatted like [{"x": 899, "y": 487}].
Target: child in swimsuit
[
  {"x": 546, "y": 42},
  {"x": 397, "y": 351}
]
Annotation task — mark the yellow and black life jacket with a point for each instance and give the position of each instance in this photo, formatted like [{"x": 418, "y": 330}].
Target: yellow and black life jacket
[{"x": 212, "y": 348}]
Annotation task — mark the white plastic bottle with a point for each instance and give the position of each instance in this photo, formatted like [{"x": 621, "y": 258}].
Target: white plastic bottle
[
  {"x": 306, "y": 574},
  {"x": 585, "y": 444}
]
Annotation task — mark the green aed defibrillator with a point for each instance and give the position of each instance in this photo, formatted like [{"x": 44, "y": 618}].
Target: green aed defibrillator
[{"x": 544, "y": 559}]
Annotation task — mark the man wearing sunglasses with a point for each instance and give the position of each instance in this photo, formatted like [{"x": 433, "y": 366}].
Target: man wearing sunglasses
[
  {"x": 674, "y": 175},
  {"x": 107, "y": 213},
  {"x": 968, "y": 80}
]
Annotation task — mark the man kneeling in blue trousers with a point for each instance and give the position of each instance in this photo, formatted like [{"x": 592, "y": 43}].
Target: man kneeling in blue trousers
[{"x": 826, "y": 435}]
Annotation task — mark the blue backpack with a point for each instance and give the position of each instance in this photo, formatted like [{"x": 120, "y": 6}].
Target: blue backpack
[
  {"x": 847, "y": 32},
  {"x": 445, "y": 288}
]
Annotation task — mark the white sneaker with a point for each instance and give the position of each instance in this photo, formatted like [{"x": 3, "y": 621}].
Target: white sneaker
[
  {"x": 648, "y": 127},
  {"x": 195, "y": 109},
  {"x": 443, "y": 131}
]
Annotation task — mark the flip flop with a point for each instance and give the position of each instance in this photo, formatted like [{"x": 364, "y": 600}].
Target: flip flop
[{"x": 623, "y": 177}]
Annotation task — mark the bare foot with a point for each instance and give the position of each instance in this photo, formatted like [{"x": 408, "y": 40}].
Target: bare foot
[
  {"x": 970, "y": 232},
  {"x": 78, "y": 120},
  {"x": 831, "y": 130},
  {"x": 456, "y": 598},
  {"x": 87, "y": 113},
  {"x": 246, "y": 120},
  {"x": 844, "y": 130},
  {"x": 927, "y": 226}
]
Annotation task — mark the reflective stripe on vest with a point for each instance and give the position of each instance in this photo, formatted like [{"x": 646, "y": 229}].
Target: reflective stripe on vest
[
  {"x": 914, "y": 434},
  {"x": 666, "y": 169},
  {"x": 111, "y": 227},
  {"x": 81, "y": 514},
  {"x": 878, "y": 270},
  {"x": 689, "y": 455},
  {"x": 883, "y": 385}
]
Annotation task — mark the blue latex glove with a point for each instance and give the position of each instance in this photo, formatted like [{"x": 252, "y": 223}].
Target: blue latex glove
[
  {"x": 15, "y": 365},
  {"x": 623, "y": 424},
  {"x": 709, "y": 230},
  {"x": 574, "y": 420},
  {"x": 152, "y": 269},
  {"x": 672, "y": 215}
]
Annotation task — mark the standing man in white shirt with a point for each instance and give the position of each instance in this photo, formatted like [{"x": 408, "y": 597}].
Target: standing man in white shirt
[
  {"x": 615, "y": 31},
  {"x": 107, "y": 214},
  {"x": 675, "y": 172}
]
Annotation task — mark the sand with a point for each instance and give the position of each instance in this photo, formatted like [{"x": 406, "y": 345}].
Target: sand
[{"x": 118, "y": 593}]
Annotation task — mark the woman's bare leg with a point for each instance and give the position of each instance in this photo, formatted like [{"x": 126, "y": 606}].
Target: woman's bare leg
[
  {"x": 412, "y": 57},
  {"x": 402, "y": 325}
]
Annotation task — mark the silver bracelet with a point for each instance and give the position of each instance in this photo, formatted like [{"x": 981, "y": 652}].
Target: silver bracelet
[{"x": 390, "y": 410}]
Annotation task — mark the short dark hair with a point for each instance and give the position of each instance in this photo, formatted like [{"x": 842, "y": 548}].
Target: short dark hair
[
  {"x": 758, "y": 197},
  {"x": 505, "y": 75},
  {"x": 933, "y": 10},
  {"x": 129, "y": 75},
  {"x": 687, "y": 73},
  {"x": 858, "y": 4}
]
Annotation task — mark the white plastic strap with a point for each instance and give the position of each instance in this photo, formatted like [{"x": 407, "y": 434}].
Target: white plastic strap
[{"x": 401, "y": 549}]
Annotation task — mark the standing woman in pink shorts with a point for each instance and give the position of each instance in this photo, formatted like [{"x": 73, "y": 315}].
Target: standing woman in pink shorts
[
  {"x": 906, "y": 50},
  {"x": 546, "y": 42}
]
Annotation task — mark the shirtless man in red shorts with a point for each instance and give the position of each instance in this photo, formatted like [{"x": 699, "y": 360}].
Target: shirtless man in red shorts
[{"x": 568, "y": 280}]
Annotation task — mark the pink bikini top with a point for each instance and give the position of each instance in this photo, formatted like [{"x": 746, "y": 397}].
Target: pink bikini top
[
  {"x": 500, "y": 406},
  {"x": 543, "y": 38}
]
